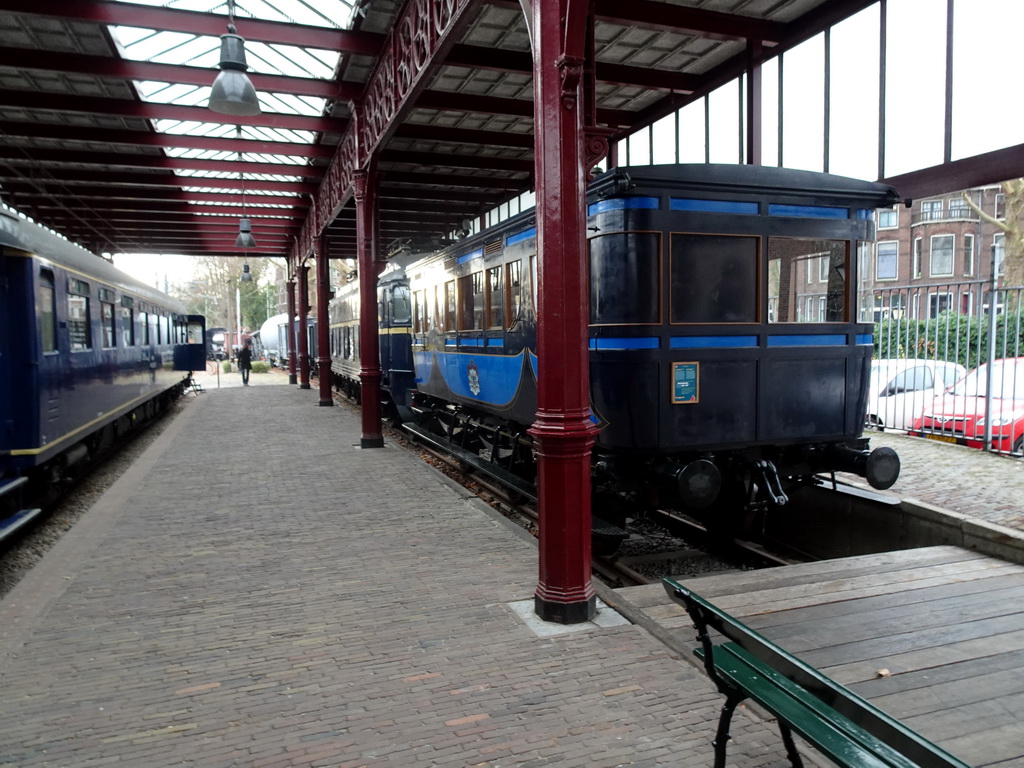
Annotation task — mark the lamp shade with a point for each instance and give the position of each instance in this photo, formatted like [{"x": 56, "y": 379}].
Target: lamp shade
[
  {"x": 233, "y": 93},
  {"x": 245, "y": 238},
  {"x": 246, "y": 274}
]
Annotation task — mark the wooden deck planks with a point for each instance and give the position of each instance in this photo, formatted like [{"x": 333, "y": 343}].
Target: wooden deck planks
[{"x": 945, "y": 624}]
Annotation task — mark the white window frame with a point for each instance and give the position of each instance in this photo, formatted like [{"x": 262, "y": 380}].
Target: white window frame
[
  {"x": 884, "y": 218},
  {"x": 999, "y": 242},
  {"x": 933, "y": 302},
  {"x": 969, "y": 254},
  {"x": 917, "y": 257},
  {"x": 896, "y": 261},
  {"x": 952, "y": 255},
  {"x": 930, "y": 207}
]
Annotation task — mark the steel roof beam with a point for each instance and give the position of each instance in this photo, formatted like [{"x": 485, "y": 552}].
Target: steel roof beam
[
  {"x": 679, "y": 19},
  {"x": 73, "y": 177},
  {"x": 161, "y": 196},
  {"x": 23, "y": 155},
  {"x": 201, "y": 23},
  {"x": 98, "y": 105},
  {"x": 129, "y": 69},
  {"x": 521, "y": 62},
  {"x": 24, "y": 129},
  {"x": 453, "y": 160}
]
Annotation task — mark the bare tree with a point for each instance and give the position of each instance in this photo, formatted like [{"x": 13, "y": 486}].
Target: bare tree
[{"x": 1012, "y": 227}]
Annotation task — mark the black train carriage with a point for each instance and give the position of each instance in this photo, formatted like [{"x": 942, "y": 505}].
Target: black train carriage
[{"x": 726, "y": 360}]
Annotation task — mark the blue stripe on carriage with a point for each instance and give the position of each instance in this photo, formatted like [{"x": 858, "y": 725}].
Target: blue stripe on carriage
[
  {"x": 808, "y": 340},
  {"x": 475, "y": 342},
  {"x": 495, "y": 377},
  {"x": 451, "y": 342},
  {"x": 696, "y": 342},
  {"x": 808, "y": 211},
  {"x": 631, "y": 342},
  {"x": 622, "y": 203},
  {"x": 712, "y": 206},
  {"x": 865, "y": 338},
  {"x": 518, "y": 237},
  {"x": 470, "y": 256}
]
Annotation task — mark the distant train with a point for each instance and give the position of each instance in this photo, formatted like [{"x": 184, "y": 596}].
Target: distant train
[
  {"x": 727, "y": 363},
  {"x": 89, "y": 355}
]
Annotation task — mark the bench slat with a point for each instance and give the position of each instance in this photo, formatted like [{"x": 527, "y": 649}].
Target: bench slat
[
  {"x": 837, "y": 736},
  {"x": 766, "y": 655}
]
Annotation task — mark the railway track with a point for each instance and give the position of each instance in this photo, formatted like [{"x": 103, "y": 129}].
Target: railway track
[{"x": 659, "y": 544}]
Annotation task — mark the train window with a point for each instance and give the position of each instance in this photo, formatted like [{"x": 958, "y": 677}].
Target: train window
[
  {"x": 513, "y": 292},
  {"x": 154, "y": 329},
  {"x": 127, "y": 321},
  {"x": 792, "y": 298},
  {"x": 417, "y": 310},
  {"x": 400, "y": 312},
  {"x": 108, "y": 325},
  {"x": 625, "y": 280},
  {"x": 466, "y": 303},
  {"x": 450, "y": 308},
  {"x": 78, "y": 323},
  {"x": 714, "y": 279},
  {"x": 495, "y": 305},
  {"x": 47, "y": 312}
]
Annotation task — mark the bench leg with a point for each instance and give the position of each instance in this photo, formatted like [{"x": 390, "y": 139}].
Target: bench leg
[
  {"x": 721, "y": 741},
  {"x": 787, "y": 740}
]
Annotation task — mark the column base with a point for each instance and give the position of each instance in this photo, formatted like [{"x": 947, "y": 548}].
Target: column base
[
  {"x": 293, "y": 379},
  {"x": 565, "y": 613},
  {"x": 371, "y": 442},
  {"x": 304, "y": 386},
  {"x": 326, "y": 402}
]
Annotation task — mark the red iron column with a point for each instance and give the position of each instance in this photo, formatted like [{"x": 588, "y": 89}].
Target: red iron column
[
  {"x": 303, "y": 326},
  {"x": 364, "y": 191},
  {"x": 291, "y": 332},
  {"x": 563, "y": 429},
  {"x": 323, "y": 321}
]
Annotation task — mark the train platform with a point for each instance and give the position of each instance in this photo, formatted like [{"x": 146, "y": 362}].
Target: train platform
[{"x": 258, "y": 591}]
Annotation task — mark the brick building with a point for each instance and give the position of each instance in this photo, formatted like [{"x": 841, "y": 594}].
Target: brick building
[{"x": 933, "y": 257}]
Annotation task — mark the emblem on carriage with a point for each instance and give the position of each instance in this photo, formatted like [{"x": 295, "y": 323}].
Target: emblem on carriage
[{"x": 474, "y": 379}]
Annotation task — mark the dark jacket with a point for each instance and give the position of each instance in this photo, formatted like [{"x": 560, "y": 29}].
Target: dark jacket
[{"x": 245, "y": 358}]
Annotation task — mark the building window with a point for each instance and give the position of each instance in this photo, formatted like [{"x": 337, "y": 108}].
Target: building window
[
  {"x": 886, "y": 262},
  {"x": 939, "y": 303},
  {"x": 968, "y": 255},
  {"x": 931, "y": 210},
  {"x": 917, "y": 257},
  {"x": 1000, "y": 248},
  {"x": 958, "y": 209},
  {"x": 889, "y": 218},
  {"x": 941, "y": 262},
  {"x": 1000, "y": 205}
]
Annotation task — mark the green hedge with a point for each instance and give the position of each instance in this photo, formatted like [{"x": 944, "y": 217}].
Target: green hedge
[
  {"x": 260, "y": 366},
  {"x": 226, "y": 366},
  {"x": 950, "y": 336}
]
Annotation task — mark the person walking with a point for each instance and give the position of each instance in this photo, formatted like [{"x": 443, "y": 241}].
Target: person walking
[{"x": 245, "y": 361}]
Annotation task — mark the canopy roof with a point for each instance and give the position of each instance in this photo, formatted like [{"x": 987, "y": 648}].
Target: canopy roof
[{"x": 105, "y": 136}]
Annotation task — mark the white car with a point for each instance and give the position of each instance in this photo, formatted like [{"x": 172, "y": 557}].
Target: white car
[{"x": 899, "y": 389}]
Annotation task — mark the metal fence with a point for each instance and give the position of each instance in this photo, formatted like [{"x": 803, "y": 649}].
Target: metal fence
[{"x": 947, "y": 367}]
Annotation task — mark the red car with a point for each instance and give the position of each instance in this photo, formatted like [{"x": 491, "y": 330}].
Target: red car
[{"x": 958, "y": 416}]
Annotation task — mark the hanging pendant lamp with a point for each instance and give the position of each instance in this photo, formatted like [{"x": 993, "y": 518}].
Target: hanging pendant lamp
[{"x": 233, "y": 93}]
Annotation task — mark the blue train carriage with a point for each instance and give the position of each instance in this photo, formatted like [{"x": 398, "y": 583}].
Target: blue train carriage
[
  {"x": 89, "y": 354},
  {"x": 394, "y": 324},
  {"x": 726, "y": 362}
]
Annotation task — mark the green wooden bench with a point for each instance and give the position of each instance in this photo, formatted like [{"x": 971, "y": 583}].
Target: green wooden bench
[{"x": 846, "y": 728}]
